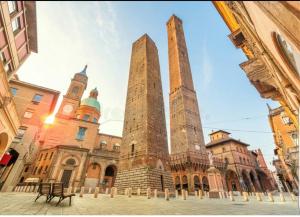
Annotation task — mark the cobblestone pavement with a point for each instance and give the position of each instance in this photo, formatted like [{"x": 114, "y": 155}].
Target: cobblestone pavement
[{"x": 23, "y": 203}]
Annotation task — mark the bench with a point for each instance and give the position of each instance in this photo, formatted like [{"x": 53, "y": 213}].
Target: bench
[
  {"x": 44, "y": 190},
  {"x": 58, "y": 191}
]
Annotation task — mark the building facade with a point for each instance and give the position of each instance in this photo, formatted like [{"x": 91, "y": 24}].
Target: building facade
[
  {"x": 245, "y": 170},
  {"x": 34, "y": 104},
  {"x": 18, "y": 37},
  {"x": 144, "y": 155},
  {"x": 287, "y": 147},
  {"x": 268, "y": 33},
  {"x": 72, "y": 150}
]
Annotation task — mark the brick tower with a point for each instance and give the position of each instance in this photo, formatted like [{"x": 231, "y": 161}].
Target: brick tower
[
  {"x": 144, "y": 152},
  {"x": 186, "y": 128}
]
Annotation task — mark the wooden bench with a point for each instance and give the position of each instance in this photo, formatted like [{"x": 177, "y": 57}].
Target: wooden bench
[
  {"x": 44, "y": 190},
  {"x": 58, "y": 191}
]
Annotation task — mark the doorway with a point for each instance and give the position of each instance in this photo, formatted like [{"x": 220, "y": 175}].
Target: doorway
[
  {"x": 162, "y": 182},
  {"x": 65, "y": 179}
]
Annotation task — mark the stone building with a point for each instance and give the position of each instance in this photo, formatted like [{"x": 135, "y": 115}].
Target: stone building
[
  {"x": 286, "y": 140},
  {"x": 268, "y": 32},
  {"x": 189, "y": 160},
  {"x": 245, "y": 170},
  {"x": 18, "y": 37},
  {"x": 72, "y": 150},
  {"x": 144, "y": 155}
]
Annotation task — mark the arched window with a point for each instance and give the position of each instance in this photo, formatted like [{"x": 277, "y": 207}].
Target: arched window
[
  {"x": 132, "y": 149},
  {"x": 71, "y": 162},
  {"x": 75, "y": 90}
]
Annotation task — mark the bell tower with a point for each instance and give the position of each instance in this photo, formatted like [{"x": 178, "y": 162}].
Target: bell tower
[{"x": 71, "y": 100}]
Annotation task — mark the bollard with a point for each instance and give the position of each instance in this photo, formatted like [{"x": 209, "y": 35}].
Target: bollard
[
  {"x": 90, "y": 190},
  {"x": 176, "y": 194},
  {"x": 231, "y": 196},
  {"x": 138, "y": 192},
  {"x": 245, "y": 196},
  {"x": 196, "y": 193},
  {"x": 200, "y": 194},
  {"x": 282, "y": 199},
  {"x": 293, "y": 196},
  {"x": 167, "y": 194},
  {"x": 129, "y": 192},
  {"x": 106, "y": 191},
  {"x": 271, "y": 199},
  {"x": 116, "y": 191},
  {"x": 148, "y": 193},
  {"x": 220, "y": 195},
  {"x": 75, "y": 189},
  {"x": 96, "y": 192},
  {"x": 187, "y": 193},
  {"x": 22, "y": 188},
  {"x": 258, "y": 196},
  {"x": 112, "y": 192},
  {"x": 81, "y": 192},
  {"x": 126, "y": 192},
  {"x": 184, "y": 194},
  {"x": 155, "y": 193},
  {"x": 69, "y": 190}
]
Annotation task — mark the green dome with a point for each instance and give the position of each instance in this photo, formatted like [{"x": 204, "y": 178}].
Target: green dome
[{"x": 92, "y": 102}]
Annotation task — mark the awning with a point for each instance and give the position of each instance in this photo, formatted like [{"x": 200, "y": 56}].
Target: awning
[{"x": 5, "y": 159}]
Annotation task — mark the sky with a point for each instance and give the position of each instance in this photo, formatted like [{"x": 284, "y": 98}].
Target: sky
[{"x": 100, "y": 34}]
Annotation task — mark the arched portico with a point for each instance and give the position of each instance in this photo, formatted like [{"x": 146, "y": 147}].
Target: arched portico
[
  {"x": 246, "y": 181},
  {"x": 197, "y": 184},
  {"x": 177, "y": 183},
  {"x": 263, "y": 181},
  {"x": 110, "y": 176},
  {"x": 232, "y": 181},
  {"x": 185, "y": 184},
  {"x": 205, "y": 184},
  {"x": 93, "y": 175}
]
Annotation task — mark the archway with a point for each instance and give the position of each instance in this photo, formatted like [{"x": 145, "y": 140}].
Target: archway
[
  {"x": 185, "y": 184},
  {"x": 197, "y": 184},
  {"x": 110, "y": 176},
  {"x": 205, "y": 184},
  {"x": 253, "y": 180},
  {"x": 246, "y": 181},
  {"x": 177, "y": 183},
  {"x": 232, "y": 181},
  {"x": 263, "y": 181},
  {"x": 3, "y": 142}
]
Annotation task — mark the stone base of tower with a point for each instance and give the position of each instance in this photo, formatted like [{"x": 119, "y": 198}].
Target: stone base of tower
[{"x": 144, "y": 178}]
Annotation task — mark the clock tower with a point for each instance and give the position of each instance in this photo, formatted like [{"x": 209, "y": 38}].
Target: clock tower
[{"x": 71, "y": 100}]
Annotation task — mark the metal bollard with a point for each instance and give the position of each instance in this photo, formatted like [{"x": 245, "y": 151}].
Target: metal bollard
[
  {"x": 138, "y": 192},
  {"x": 96, "y": 192},
  {"x": 167, "y": 194},
  {"x": 81, "y": 192},
  {"x": 271, "y": 199},
  {"x": 148, "y": 193}
]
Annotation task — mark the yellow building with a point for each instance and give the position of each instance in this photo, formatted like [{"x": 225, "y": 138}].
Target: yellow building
[
  {"x": 286, "y": 141},
  {"x": 269, "y": 35}
]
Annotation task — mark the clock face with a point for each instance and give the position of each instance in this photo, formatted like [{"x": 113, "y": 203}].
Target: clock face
[{"x": 68, "y": 109}]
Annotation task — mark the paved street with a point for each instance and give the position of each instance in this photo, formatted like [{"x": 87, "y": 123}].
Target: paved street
[{"x": 23, "y": 203}]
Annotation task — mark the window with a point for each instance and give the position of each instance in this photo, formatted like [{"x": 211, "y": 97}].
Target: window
[
  {"x": 223, "y": 149},
  {"x": 46, "y": 155},
  {"x": 132, "y": 149},
  {"x": 28, "y": 114},
  {"x": 26, "y": 169},
  {"x": 86, "y": 117},
  {"x": 95, "y": 120},
  {"x": 41, "y": 156},
  {"x": 37, "y": 98},
  {"x": 75, "y": 90},
  {"x": 103, "y": 145},
  {"x": 294, "y": 136},
  {"x": 71, "y": 162},
  {"x": 12, "y": 6},
  {"x": 13, "y": 91},
  {"x": 15, "y": 25},
  {"x": 40, "y": 170},
  {"x": 81, "y": 133},
  {"x": 51, "y": 156},
  {"x": 34, "y": 171},
  {"x": 3, "y": 58},
  {"x": 46, "y": 168},
  {"x": 288, "y": 53}
]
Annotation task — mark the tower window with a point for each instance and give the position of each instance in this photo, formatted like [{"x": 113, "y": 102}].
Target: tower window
[
  {"x": 46, "y": 155},
  {"x": 86, "y": 117},
  {"x": 37, "y": 98},
  {"x": 132, "y": 149},
  {"x": 75, "y": 90},
  {"x": 15, "y": 25},
  {"x": 95, "y": 120},
  {"x": 13, "y": 91},
  {"x": 81, "y": 133},
  {"x": 51, "y": 156}
]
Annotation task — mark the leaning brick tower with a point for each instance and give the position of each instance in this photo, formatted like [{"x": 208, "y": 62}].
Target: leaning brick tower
[{"x": 144, "y": 156}]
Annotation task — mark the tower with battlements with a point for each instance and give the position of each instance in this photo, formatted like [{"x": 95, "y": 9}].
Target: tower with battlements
[{"x": 144, "y": 156}]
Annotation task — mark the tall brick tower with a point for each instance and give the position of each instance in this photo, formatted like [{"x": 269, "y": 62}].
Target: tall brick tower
[
  {"x": 144, "y": 152},
  {"x": 186, "y": 128}
]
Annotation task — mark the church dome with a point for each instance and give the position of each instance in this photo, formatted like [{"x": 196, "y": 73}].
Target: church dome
[{"x": 92, "y": 100}]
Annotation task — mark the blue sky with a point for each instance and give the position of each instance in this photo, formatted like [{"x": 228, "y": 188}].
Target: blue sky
[{"x": 100, "y": 34}]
